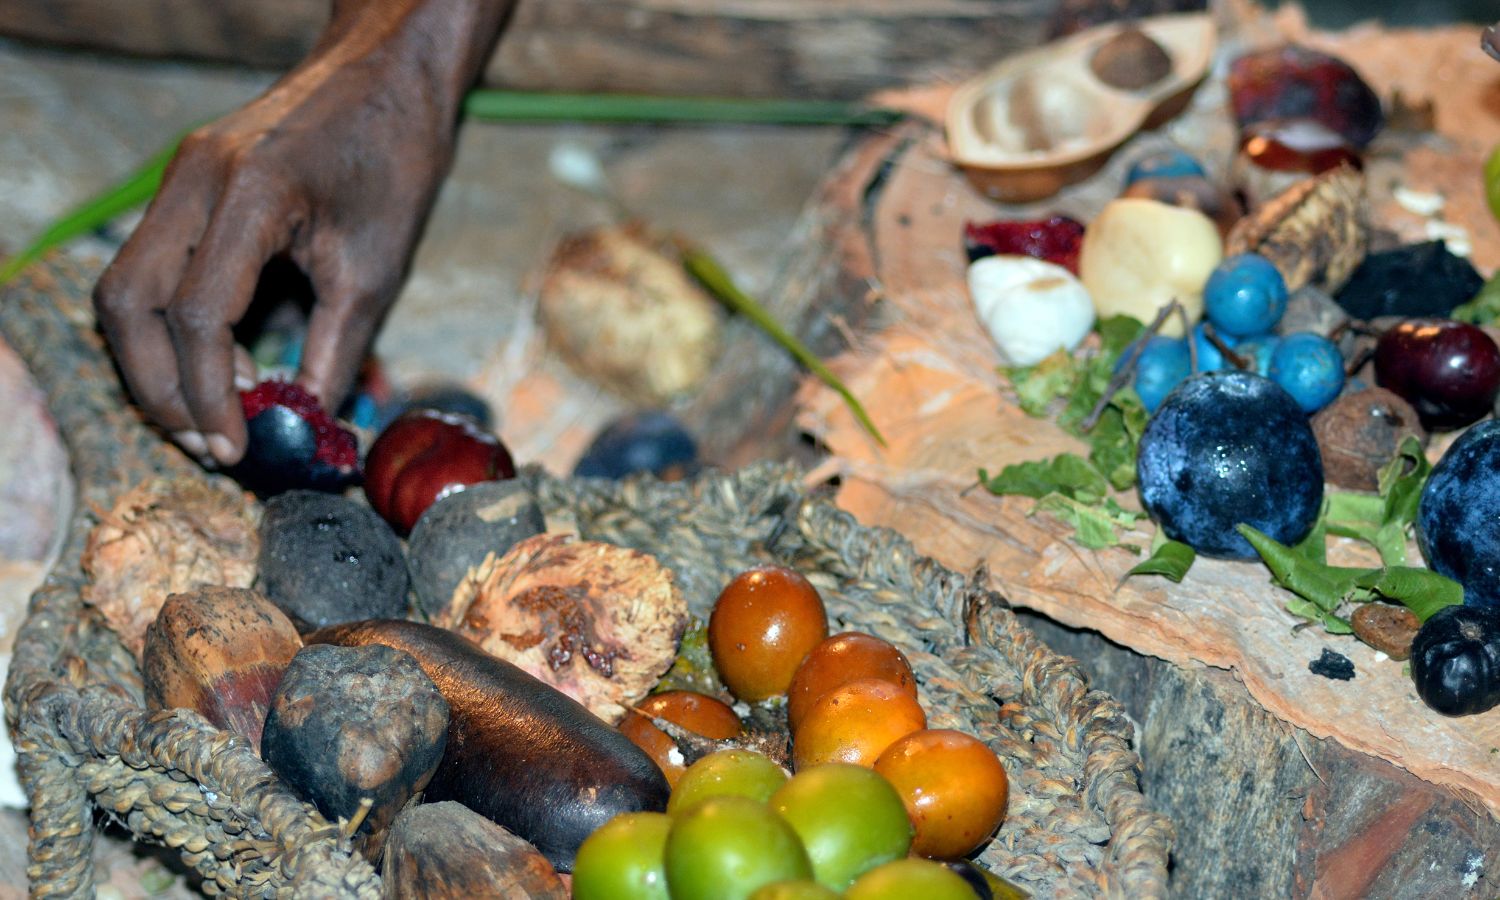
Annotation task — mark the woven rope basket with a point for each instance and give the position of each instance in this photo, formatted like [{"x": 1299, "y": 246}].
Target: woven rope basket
[{"x": 1077, "y": 826}]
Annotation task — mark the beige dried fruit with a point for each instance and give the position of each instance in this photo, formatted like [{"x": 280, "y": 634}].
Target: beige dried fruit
[
  {"x": 1314, "y": 232},
  {"x": 1386, "y": 627},
  {"x": 167, "y": 537},
  {"x": 621, "y": 310},
  {"x": 598, "y": 622}
]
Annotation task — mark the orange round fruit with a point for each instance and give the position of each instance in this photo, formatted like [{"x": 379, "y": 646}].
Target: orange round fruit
[
  {"x": 954, "y": 788},
  {"x": 854, "y": 723},
  {"x": 839, "y": 660},
  {"x": 762, "y": 626},
  {"x": 698, "y": 713}
]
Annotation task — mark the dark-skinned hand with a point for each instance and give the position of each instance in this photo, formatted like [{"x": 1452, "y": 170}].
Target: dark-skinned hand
[{"x": 335, "y": 167}]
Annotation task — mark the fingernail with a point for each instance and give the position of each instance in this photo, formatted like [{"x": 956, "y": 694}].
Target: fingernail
[
  {"x": 222, "y": 448},
  {"x": 192, "y": 442},
  {"x": 242, "y": 382}
]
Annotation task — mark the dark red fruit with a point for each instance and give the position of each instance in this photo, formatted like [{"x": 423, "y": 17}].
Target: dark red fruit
[
  {"x": 1055, "y": 240},
  {"x": 1298, "y": 145},
  {"x": 1448, "y": 370},
  {"x": 425, "y": 455},
  {"x": 1295, "y": 82},
  {"x": 293, "y": 442}
]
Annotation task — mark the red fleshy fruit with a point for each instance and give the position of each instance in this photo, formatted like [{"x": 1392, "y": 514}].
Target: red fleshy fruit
[
  {"x": 1056, "y": 240},
  {"x": 1295, "y": 82},
  {"x": 293, "y": 442},
  {"x": 1298, "y": 145},
  {"x": 425, "y": 455},
  {"x": 1448, "y": 370}
]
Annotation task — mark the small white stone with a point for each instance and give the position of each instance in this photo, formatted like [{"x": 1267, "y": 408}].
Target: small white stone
[
  {"x": 1030, "y": 307},
  {"x": 675, "y": 757},
  {"x": 1423, "y": 203},
  {"x": 1139, "y": 255}
]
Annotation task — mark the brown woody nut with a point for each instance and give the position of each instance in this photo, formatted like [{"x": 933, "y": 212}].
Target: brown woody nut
[
  {"x": 1315, "y": 232},
  {"x": 1359, "y": 433},
  {"x": 598, "y": 622},
  {"x": 445, "y": 851},
  {"x": 1386, "y": 627},
  {"x": 166, "y": 537},
  {"x": 1130, "y": 60},
  {"x": 219, "y": 651},
  {"x": 619, "y": 309}
]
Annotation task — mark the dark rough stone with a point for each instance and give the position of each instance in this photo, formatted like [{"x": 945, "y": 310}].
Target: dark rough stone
[
  {"x": 446, "y": 850},
  {"x": 1415, "y": 280},
  {"x": 350, "y": 723},
  {"x": 1332, "y": 665},
  {"x": 1310, "y": 309},
  {"x": 456, "y": 533},
  {"x": 325, "y": 560},
  {"x": 1263, "y": 809}
]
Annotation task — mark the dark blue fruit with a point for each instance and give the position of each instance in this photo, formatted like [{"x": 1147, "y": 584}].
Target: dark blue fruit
[
  {"x": 1455, "y": 660},
  {"x": 1227, "y": 448},
  {"x": 1458, "y": 519},
  {"x": 651, "y": 441}
]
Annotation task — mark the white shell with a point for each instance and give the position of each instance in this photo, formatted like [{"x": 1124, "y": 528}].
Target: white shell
[{"x": 1030, "y": 307}]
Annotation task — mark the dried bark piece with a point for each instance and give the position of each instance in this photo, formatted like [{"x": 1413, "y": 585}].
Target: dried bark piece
[
  {"x": 167, "y": 537},
  {"x": 357, "y": 725},
  {"x": 622, "y": 312},
  {"x": 445, "y": 851},
  {"x": 598, "y": 622},
  {"x": 1386, "y": 627},
  {"x": 1359, "y": 433},
  {"x": 220, "y": 651},
  {"x": 1315, "y": 232}
]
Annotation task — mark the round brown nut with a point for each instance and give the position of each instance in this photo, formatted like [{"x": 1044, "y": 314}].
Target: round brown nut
[
  {"x": 1385, "y": 627},
  {"x": 1359, "y": 433},
  {"x": 1130, "y": 60}
]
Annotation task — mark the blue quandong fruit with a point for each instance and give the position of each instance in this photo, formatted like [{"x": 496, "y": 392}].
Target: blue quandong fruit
[
  {"x": 1458, "y": 518},
  {"x": 1227, "y": 448}
]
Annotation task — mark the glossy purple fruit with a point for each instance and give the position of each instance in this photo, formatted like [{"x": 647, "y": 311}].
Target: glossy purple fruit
[
  {"x": 1227, "y": 448},
  {"x": 1456, "y": 518},
  {"x": 1244, "y": 295},
  {"x": 650, "y": 441},
  {"x": 1297, "y": 145},
  {"x": 1296, "y": 82},
  {"x": 1310, "y": 368},
  {"x": 293, "y": 443},
  {"x": 1448, "y": 370}
]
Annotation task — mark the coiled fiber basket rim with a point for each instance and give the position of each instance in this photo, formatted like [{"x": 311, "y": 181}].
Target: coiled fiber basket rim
[{"x": 1078, "y": 824}]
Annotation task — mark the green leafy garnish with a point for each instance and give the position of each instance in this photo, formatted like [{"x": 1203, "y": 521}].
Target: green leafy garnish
[
  {"x": 1067, "y": 473},
  {"x": 1170, "y": 559},
  {"x": 1094, "y": 524},
  {"x": 1384, "y": 521},
  {"x": 1484, "y": 308}
]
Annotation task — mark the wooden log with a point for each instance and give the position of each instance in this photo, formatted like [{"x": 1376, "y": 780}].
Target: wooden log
[
  {"x": 444, "y": 850},
  {"x": 793, "y": 48}
]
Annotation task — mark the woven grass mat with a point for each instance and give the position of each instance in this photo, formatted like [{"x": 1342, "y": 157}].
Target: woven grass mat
[{"x": 1077, "y": 825}]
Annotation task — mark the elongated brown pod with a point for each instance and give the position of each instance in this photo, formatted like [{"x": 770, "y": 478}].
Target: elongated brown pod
[{"x": 520, "y": 752}]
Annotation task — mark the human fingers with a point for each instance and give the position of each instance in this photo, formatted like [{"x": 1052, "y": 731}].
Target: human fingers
[
  {"x": 250, "y": 224},
  {"x": 343, "y": 323}
]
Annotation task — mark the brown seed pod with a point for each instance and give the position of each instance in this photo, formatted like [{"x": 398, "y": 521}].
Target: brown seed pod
[
  {"x": 221, "y": 652},
  {"x": 620, "y": 310},
  {"x": 1130, "y": 60},
  {"x": 445, "y": 851},
  {"x": 1358, "y": 434},
  {"x": 598, "y": 622},
  {"x": 166, "y": 537},
  {"x": 1386, "y": 627},
  {"x": 1315, "y": 232}
]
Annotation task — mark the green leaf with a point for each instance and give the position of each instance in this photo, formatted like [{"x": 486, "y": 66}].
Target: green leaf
[
  {"x": 713, "y": 277},
  {"x": 1484, "y": 308},
  {"x": 1314, "y": 547},
  {"x": 1422, "y": 591},
  {"x": 1113, "y": 440},
  {"x": 1115, "y": 334},
  {"x": 1094, "y": 525},
  {"x": 1037, "y": 386},
  {"x": 1325, "y": 586},
  {"x": 94, "y": 213},
  {"x": 1402, "y": 480},
  {"x": 1067, "y": 473},
  {"x": 1171, "y": 560},
  {"x": 527, "y": 106}
]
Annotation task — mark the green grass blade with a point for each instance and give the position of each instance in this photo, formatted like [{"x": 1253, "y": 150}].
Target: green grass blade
[
  {"x": 712, "y": 275},
  {"x": 525, "y": 106},
  {"x": 137, "y": 188}
]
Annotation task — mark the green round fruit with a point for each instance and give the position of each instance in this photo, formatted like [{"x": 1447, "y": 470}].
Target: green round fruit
[
  {"x": 724, "y": 848},
  {"x": 849, "y": 818},
  {"x": 801, "y": 889},
  {"x": 908, "y": 878},
  {"x": 740, "y": 773},
  {"x": 1492, "y": 181},
  {"x": 623, "y": 859}
]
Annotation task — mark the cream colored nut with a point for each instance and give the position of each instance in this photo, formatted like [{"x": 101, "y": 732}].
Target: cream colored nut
[
  {"x": 1138, "y": 255},
  {"x": 1030, "y": 307}
]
